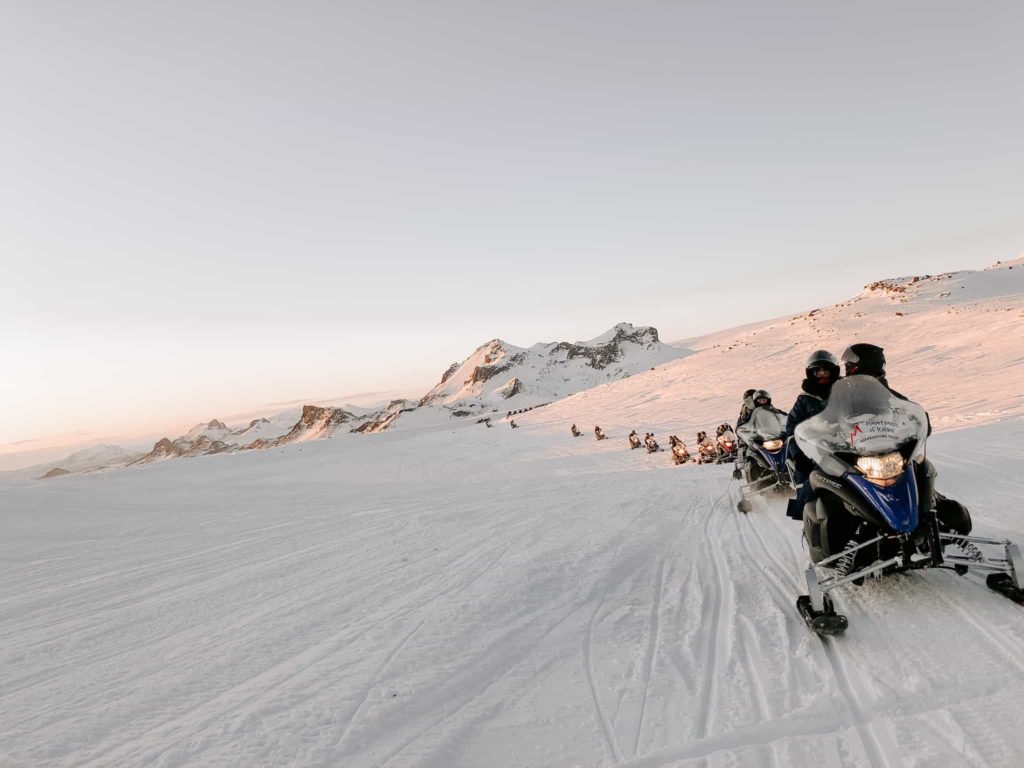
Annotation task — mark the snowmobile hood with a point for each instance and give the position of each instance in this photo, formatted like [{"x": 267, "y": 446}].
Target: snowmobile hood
[{"x": 897, "y": 504}]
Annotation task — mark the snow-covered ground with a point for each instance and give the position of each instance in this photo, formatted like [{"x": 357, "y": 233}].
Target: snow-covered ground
[
  {"x": 483, "y": 597},
  {"x": 453, "y": 595}
]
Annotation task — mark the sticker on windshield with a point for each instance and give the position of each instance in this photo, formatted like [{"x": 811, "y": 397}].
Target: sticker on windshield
[{"x": 873, "y": 432}]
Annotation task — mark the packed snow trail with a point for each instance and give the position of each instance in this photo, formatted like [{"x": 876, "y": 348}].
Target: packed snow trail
[{"x": 476, "y": 597}]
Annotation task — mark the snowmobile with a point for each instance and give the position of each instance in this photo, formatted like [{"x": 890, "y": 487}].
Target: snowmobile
[
  {"x": 651, "y": 443},
  {"x": 727, "y": 445},
  {"x": 764, "y": 470},
  {"x": 679, "y": 453},
  {"x": 514, "y": 425},
  {"x": 599, "y": 434},
  {"x": 634, "y": 440},
  {"x": 575, "y": 431},
  {"x": 707, "y": 451},
  {"x": 875, "y": 510}
]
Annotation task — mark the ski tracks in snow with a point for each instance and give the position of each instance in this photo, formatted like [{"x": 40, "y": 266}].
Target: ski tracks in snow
[{"x": 878, "y": 746}]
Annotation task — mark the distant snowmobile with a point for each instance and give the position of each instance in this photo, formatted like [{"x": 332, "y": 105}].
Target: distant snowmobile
[
  {"x": 727, "y": 445},
  {"x": 599, "y": 434},
  {"x": 634, "y": 440},
  {"x": 651, "y": 443},
  {"x": 679, "y": 453},
  {"x": 575, "y": 431},
  {"x": 514, "y": 425},
  {"x": 707, "y": 449},
  {"x": 765, "y": 469},
  {"x": 873, "y": 512}
]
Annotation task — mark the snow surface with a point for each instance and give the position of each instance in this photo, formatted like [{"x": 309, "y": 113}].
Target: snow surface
[
  {"x": 483, "y": 597},
  {"x": 461, "y": 596}
]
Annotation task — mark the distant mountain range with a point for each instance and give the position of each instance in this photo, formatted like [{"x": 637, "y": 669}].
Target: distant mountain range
[
  {"x": 496, "y": 377},
  {"x": 925, "y": 323}
]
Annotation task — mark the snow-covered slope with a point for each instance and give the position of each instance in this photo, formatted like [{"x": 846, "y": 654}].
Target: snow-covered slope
[
  {"x": 461, "y": 597},
  {"x": 953, "y": 342}
]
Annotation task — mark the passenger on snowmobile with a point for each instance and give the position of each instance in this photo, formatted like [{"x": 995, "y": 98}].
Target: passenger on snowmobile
[
  {"x": 765, "y": 464},
  {"x": 746, "y": 408},
  {"x": 820, "y": 372},
  {"x": 707, "y": 451},
  {"x": 679, "y": 453},
  {"x": 727, "y": 443},
  {"x": 650, "y": 442},
  {"x": 869, "y": 360}
]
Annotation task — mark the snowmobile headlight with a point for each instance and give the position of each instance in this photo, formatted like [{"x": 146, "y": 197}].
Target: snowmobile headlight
[
  {"x": 883, "y": 471},
  {"x": 772, "y": 445},
  {"x": 727, "y": 444}
]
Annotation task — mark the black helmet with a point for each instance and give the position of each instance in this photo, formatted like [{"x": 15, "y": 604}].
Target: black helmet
[
  {"x": 762, "y": 394},
  {"x": 822, "y": 359},
  {"x": 864, "y": 359},
  {"x": 748, "y": 393}
]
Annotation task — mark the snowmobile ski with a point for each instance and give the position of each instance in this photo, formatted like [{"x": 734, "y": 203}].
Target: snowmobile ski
[
  {"x": 825, "y": 622},
  {"x": 1003, "y": 584}
]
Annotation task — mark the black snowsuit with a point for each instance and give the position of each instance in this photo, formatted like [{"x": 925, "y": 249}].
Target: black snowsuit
[{"x": 810, "y": 403}]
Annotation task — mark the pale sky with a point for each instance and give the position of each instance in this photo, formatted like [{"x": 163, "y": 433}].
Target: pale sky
[{"x": 209, "y": 207}]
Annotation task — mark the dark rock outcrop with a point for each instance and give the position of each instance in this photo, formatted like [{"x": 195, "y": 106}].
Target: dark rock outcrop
[
  {"x": 316, "y": 418},
  {"x": 448, "y": 374}
]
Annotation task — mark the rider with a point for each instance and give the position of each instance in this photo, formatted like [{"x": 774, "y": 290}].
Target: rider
[
  {"x": 746, "y": 409},
  {"x": 820, "y": 373},
  {"x": 869, "y": 360},
  {"x": 761, "y": 400}
]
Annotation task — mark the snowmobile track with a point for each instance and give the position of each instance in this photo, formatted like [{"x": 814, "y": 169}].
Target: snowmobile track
[
  {"x": 607, "y": 731},
  {"x": 719, "y": 606},
  {"x": 652, "y": 649},
  {"x": 881, "y": 752}
]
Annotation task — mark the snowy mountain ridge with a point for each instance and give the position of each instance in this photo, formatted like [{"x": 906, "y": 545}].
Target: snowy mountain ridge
[{"x": 499, "y": 375}]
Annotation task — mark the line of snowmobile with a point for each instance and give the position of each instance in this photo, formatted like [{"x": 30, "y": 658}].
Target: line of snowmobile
[{"x": 722, "y": 450}]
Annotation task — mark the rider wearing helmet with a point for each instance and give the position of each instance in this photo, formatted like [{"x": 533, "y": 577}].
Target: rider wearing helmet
[
  {"x": 763, "y": 399},
  {"x": 869, "y": 360},
  {"x": 820, "y": 372},
  {"x": 746, "y": 409}
]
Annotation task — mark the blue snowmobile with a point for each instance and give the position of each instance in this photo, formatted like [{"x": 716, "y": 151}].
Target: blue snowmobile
[
  {"x": 764, "y": 468},
  {"x": 875, "y": 510}
]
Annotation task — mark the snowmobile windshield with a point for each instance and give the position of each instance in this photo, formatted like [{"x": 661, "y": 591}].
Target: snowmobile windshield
[
  {"x": 764, "y": 424},
  {"x": 862, "y": 418}
]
